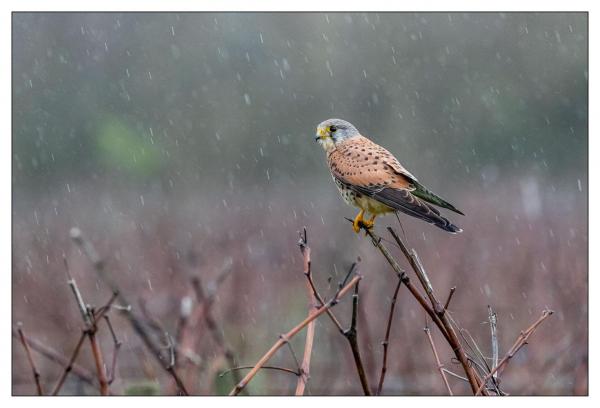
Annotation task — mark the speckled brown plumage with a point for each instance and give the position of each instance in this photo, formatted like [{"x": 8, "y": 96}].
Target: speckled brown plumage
[{"x": 371, "y": 178}]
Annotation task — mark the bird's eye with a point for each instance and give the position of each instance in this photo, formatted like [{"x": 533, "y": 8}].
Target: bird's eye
[{"x": 332, "y": 128}]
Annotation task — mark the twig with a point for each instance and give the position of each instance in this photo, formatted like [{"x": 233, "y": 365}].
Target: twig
[
  {"x": 137, "y": 324},
  {"x": 386, "y": 340},
  {"x": 285, "y": 370},
  {"x": 520, "y": 342},
  {"x": 452, "y": 338},
  {"x": 352, "y": 336},
  {"x": 171, "y": 365},
  {"x": 117, "y": 346},
  {"x": 440, "y": 366},
  {"x": 406, "y": 281},
  {"x": 97, "y": 353},
  {"x": 69, "y": 366},
  {"x": 242, "y": 384},
  {"x": 90, "y": 329},
  {"x": 36, "y": 373},
  {"x": 494, "y": 336},
  {"x": 312, "y": 305},
  {"x": 460, "y": 377},
  {"x": 452, "y": 290},
  {"x": 52, "y": 355},
  {"x": 170, "y": 347},
  {"x": 206, "y": 301}
]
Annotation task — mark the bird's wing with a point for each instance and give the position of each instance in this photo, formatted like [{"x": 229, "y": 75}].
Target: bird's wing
[{"x": 369, "y": 169}]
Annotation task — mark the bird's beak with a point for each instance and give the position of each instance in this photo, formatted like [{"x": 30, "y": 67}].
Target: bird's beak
[{"x": 321, "y": 134}]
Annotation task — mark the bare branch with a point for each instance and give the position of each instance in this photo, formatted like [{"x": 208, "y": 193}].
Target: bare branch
[
  {"x": 452, "y": 338},
  {"x": 352, "y": 336},
  {"x": 261, "y": 362},
  {"x": 117, "y": 346},
  {"x": 452, "y": 290},
  {"x": 386, "y": 340},
  {"x": 36, "y": 373},
  {"x": 519, "y": 343},
  {"x": 440, "y": 366},
  {"x": 69, "y": 366},
  {"x": 494, "y": 336},
  {"x": 285, "y": 370},
  {"x": 312, "y": 306},
  {"x": 52, "y": 355},
  {"x": 136, "y": 323}
]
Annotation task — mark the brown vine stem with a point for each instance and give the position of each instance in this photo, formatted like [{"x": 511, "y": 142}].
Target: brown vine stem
[
  {"x": 69, "y": 365},
  {"x": 440, "y": 366},
  {"x": 312, "y": 306},
  {"x": 386, "y": 340},
  {"x": 138, "y": 326},
  {"x": 520, "y": 342},
  {"x": 286, "y": 337},
  {"x": 440, "y": 311},
  {"x": 352, "y": 336},
  {"x": 36, "y": 373}
]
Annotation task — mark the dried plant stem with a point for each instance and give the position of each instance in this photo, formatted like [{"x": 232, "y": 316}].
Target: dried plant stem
[
  {"x": 206, "y": 301},
  {"x": 265, "y": 367},
  {"x": 352, "y": 336},
  {"x": 520, "y": 342},
  {"x": 90, "y": 329},
  {"x": 52, "y": 355},
  {"x": 494, "y": 336},
  {"x": 286, "y": 337},
  {"x": 312, "y": 306},
  {"x": 117, "y": 346},
  {"x": 407, "y": 282},
  {"x": 69, "y": 366},
  {"x": 137, "y": 325},
  {"x": 36, "y": 373},
  {"x": 440, "y": 312},
  {"x": 440, "y": 366},
  {"x": 386, "y": 340},
  {"x": 97, "y": 352}
]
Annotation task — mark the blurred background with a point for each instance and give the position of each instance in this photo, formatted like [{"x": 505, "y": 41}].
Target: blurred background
[{"x": 182, "y": 145}]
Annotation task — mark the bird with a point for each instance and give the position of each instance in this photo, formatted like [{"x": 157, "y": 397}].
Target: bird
[{"x": 369, "y": 177}]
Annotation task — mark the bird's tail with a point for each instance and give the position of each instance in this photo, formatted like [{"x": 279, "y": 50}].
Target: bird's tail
[{"x": 422, "y": 192}]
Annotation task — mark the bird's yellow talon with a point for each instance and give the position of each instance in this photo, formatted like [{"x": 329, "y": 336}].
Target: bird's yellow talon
[
  {"x": 358, "y": 221},
  {"x": 369, "y": 224}
]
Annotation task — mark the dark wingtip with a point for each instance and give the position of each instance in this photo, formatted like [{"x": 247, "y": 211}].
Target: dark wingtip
[
  {"x": 448, "y": 226},
  {"x": 456, "y": 210}
]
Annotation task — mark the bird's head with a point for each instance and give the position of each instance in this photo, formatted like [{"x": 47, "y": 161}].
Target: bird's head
[{"x": 333, "y": 131}]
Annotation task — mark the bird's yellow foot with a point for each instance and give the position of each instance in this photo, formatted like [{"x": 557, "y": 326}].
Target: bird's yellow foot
[
  {"x": 358, "y": 221},
  {"x": 370, "y": 223}
]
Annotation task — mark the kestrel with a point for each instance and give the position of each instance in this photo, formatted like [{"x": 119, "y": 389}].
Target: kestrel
[{"x": 371, "y": 178}]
